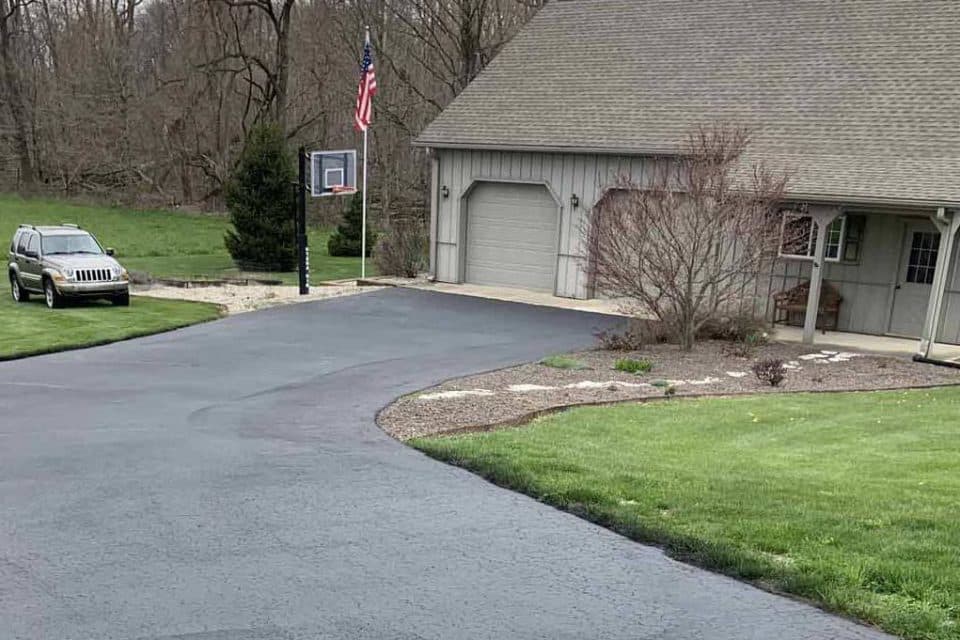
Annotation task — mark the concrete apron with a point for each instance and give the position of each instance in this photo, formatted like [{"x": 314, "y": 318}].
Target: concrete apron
[
  {"x": 507, "y": 294},
  {"x": 857, "y": 341}
]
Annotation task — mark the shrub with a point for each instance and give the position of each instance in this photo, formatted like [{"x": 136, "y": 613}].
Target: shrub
[
  {"x": 664, "y": 245},
  {"x": 402, "y": 250},
  {"x": 562, "y": 362},
  {"x": 260, "y": 199},
  {"x": 770, "y": 370},
  {"x": 345, "y": 240},
  {"x": 742, "y": 328},
  {"x": 635, "y": 335},
  {"x": 629, "y": 365}
]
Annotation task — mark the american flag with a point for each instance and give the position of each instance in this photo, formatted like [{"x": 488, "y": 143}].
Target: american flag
[{"x": 368, "y": 89}]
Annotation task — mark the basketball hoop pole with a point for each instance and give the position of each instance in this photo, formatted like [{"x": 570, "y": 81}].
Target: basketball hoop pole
[
  {"x": 303, "y": 259},
  {"x": 363, "y": 226}
]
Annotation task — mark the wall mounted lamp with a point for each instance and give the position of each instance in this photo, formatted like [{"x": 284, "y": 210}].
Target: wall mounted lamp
[
  {"x": 574, "y": 201},
  {"x": 444, "y": 191}
]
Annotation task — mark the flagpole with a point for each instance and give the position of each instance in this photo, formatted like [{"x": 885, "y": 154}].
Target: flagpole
[
  {"x": 363, "y": 226},
  {"x": 363, "y": 238}
]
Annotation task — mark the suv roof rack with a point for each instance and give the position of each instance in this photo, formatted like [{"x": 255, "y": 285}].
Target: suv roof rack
[
  {"x": 69, "y": 224},
  {"x": 27, "y": 226}
]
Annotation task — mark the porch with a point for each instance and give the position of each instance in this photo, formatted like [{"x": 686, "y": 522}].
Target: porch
[
  {"x": 894, "y": 271},
  {"x": 844, "y": 340}
]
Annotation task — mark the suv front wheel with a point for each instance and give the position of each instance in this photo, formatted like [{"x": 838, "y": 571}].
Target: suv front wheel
[
  {"x": 19, "y": 293},
  {"x": 53, "y": 298}
]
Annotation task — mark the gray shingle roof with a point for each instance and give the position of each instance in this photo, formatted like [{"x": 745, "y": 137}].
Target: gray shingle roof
[{"x": 858, "y": 98}]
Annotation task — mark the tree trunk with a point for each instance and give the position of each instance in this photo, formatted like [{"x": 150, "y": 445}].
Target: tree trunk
[{"x": 12, "y": 88}]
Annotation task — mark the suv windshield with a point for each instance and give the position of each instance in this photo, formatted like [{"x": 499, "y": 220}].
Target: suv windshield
[{"x": 73, "y": 243}]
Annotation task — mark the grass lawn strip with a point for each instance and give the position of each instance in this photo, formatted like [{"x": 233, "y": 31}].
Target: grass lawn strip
[
  {"x": 849, "y": 500},
  {"x": 167, "y": 244},
  {"x": 516, "y": 393},
  {"x": 31, "y": 328}
]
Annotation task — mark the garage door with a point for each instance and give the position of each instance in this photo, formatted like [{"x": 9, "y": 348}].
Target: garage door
[{"x": 511, "y": 236}]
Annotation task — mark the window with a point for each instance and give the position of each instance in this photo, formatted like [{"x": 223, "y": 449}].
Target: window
[
  {"x": 853, "y": 238},
  {"x": 71, "y": 243},
  {"x": 923, "y": 257},
  {"x": 33, "y": 244},
  {"x": 22, "y": 246},
  {"x": 798, "y": 237}
]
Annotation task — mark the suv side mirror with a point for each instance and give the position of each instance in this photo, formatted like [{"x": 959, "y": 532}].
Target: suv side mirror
[
  {"x": 110, "y": 251},
  {"x": 30, "y": 254}
]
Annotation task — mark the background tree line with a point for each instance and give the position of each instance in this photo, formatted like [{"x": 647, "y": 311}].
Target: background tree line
[{"x": 151, "y": 100}]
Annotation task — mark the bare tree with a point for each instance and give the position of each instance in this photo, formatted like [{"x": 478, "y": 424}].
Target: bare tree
[
  {"x": 13, "y": 15},
  {"x": 150, "y": 101},
  {"x": 685, "y": 247}
]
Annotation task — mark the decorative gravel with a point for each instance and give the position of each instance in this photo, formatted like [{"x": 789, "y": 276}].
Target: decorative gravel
[
  {"x": 511, "y": 396},
  {"x": 240, "y": 298}
]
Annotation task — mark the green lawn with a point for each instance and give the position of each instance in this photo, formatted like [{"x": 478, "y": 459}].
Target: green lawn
[
  {"x": 166, "y": 243},
  {"x": 850, "y": 500},
  {"x": 31, "y": 328}
]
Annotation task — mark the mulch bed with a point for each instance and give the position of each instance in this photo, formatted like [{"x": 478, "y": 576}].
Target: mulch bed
[{"x": 485, "y": 400}]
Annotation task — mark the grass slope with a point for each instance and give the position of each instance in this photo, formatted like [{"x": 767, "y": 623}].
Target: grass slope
[
  {"x": 30, "y": 328},
  {"x": 850, "y": 500},
  {"x": 165, "y": 243}
]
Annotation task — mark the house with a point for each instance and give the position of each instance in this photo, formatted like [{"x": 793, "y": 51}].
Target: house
[{"x": 860, "y": 101}]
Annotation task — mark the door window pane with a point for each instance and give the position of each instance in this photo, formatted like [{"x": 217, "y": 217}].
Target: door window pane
[{"x": 923, "y": 257}]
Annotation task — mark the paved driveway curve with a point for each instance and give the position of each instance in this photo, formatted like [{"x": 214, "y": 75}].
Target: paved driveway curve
[{"x": 227, "y": 482}]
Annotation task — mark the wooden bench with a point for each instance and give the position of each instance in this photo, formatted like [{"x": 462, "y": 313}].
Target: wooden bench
[{"x": 793, "y": 301}]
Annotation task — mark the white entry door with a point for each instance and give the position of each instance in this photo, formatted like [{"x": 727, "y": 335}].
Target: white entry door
[{"x": 918, "y": 264}]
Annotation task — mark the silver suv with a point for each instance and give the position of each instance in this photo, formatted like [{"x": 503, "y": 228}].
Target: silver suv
[{"x": 61, "y": 262}]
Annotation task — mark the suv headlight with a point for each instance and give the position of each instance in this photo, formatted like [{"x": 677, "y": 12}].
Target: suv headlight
[
  {"x": 68, "y": 273},
  {"x": 119, "y": 273}
]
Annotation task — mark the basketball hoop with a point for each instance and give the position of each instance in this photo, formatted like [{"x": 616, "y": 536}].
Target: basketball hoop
[{"x": 333, "y": 173}]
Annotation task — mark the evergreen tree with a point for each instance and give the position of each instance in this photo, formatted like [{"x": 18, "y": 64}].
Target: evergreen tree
[
  {"x": 260, "y": 198},
  {"x": 345, "y": 241}
]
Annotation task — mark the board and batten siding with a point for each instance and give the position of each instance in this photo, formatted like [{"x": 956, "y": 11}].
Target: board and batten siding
[
  {"x": 564, "y": 175},
  {"x": 867, "y": 287}
]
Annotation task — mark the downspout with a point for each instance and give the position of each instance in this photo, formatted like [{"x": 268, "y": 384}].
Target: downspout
[{"x": 434, "y": 213}]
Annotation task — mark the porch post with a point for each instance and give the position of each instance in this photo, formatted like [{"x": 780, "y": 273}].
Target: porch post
[
  {"x": 822, "y": 217},
  {"x": 948, "y": 232}
]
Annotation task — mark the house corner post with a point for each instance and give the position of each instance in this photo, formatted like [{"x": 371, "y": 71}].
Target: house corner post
[
  {"x": 434, "y": 208},
  {"x": 948, "y": 228},
  {"x": 822, "y": 217}
]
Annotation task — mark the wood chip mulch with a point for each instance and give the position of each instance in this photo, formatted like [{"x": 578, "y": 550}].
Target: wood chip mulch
[{"x": 489, "y": 402}]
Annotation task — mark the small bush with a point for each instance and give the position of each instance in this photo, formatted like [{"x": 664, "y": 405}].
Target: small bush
[
  {"x": 402, "y": 250},
  {"x": 660, "y": 384},
  {"x": 562, "y": 362},
  {"x": 741, "y": 328},
  {"x": 770, "y": 370},
  {"x": 345, "y": 241},
  {"x": 636, "y": 367},
  {"x": 670, "y": 391},
  {"x": 748, "y": 346},
  {"x": 637, "y": 334}
]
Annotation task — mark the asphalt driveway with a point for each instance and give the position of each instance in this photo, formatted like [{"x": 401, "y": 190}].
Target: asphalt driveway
[{"x": 227, "y": 482}]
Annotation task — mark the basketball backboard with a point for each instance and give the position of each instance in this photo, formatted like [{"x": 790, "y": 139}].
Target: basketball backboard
[{"x": 333, "y": 172}]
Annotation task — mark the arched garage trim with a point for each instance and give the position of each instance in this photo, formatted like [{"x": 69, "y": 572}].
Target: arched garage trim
[{"x": 464, "y": 213}]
